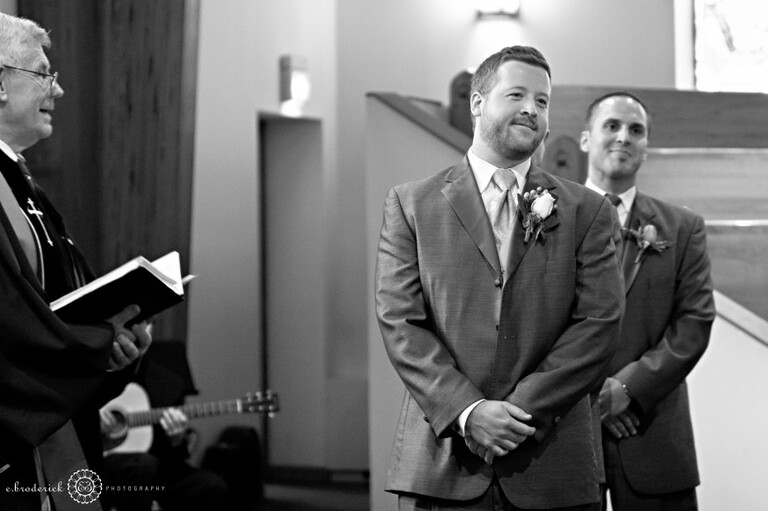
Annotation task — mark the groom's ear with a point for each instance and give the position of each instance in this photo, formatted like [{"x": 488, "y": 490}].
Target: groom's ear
[{"x": 475, "y": 102}]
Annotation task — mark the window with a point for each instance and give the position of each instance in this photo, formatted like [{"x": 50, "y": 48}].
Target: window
[{"x": 731, "y": 45}]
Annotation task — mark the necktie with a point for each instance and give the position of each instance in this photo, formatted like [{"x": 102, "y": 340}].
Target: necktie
[
  {"x": 501, "y": 213},
  {"x": 614, "y": 199},
  {"x": 623, "y": 212}
]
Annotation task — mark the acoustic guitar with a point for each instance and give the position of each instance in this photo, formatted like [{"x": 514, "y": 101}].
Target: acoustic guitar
[{"x": 135, "y": 416}]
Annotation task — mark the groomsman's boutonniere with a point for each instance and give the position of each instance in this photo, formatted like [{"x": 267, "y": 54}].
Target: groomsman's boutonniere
[
  {"x": 536, "y": 206},
  {"x": 647, "y": 238}
]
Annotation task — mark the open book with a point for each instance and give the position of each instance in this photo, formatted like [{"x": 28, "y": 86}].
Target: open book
[{"x": 153, "y": 286}]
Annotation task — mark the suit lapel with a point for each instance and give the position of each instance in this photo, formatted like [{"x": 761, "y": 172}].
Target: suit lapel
[
  {"x": 641, "y": 214},
  {"x": 462, "y": 194},
  {"x": 518, "y": 247}
]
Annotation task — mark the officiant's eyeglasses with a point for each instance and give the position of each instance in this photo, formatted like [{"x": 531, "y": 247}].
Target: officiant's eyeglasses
[{"x": 51, "y": 79}]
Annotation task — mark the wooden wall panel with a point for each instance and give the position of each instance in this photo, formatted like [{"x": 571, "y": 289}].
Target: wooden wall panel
[
  {"x": 140, "y": 171},
  {"x": 680, "y": 118},
  {"x": 117, "y": 163},
  {"x": 66, "y": 164}
]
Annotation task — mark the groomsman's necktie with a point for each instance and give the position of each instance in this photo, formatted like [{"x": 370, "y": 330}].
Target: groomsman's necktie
[
  {"x": 614, "y": 199},
  {"x": 503, "y": 207},
  {"x": 621, "y": 208}
]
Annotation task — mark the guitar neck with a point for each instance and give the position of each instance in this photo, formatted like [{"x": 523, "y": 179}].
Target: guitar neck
[{"x": 192, "y": 411}]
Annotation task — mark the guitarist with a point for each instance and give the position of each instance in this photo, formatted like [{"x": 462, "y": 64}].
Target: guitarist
[{"x": 166, "y": 466}]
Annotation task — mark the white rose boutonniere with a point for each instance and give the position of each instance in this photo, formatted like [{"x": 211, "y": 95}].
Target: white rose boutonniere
[
  {"x": 536, "y": 206},
  {"x": 647, "y": 238}
]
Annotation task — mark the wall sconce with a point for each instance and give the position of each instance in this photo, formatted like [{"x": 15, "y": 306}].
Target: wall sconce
[
  {"x": 294, "y": 84},
  {"x": 492, "y": 8}
]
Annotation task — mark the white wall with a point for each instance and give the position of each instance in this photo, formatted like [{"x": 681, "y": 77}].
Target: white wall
[
  {"x": 730, "y": 419},
  {"x": 8, "y": 7},
  {"x": 240, "y": 44}
]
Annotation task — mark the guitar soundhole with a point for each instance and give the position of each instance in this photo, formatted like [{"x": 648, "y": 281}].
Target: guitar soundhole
[{"x": 120, "y": 418}]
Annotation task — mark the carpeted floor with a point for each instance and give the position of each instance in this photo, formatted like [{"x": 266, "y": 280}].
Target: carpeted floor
[{"x": 329, "y": 497}]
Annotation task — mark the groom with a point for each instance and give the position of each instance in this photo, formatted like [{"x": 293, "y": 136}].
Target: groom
[{"x": 499, "y": 296}]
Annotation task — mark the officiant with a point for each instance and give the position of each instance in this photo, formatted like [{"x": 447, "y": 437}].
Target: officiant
[{"x": 53, "y": 376}]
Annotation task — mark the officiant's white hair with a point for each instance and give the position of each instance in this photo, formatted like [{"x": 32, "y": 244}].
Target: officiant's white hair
[{"x": 17, "y": 35}]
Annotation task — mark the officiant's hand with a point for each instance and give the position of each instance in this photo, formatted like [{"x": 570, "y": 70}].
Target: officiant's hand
[{"x": 128, "y": 344}]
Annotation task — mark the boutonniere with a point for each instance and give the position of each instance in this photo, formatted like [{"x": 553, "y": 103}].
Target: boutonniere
[
  {"x": 536, "y": 206},
  {"x": 647, "y": 238}
]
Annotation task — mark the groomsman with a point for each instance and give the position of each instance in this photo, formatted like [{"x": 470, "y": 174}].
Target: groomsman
[{"x": 647, "y": 437}]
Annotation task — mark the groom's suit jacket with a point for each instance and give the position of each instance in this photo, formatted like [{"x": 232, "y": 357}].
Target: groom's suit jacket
[
  {"x": 456, "y": 332},
  {"x": 669, "y": 315}
]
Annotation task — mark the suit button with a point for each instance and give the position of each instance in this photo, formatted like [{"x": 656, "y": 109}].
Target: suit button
[
  {"x": 426, "y": 420},
  {"x": 556, "y": 420},
  {"x": 497, "y": 282}
]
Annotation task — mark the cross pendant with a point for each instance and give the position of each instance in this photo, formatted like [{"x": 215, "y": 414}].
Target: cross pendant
[{"x": 32, "y": 210}]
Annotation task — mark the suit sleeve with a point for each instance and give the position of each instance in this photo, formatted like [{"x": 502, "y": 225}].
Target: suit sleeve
[
  {"x": 422, "y": 361},
  {"x": 578, "y": 360},
  {"x": 662, "y": 368}
]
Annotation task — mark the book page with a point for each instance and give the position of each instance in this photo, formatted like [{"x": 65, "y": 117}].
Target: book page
[{"x": 170, "y": 266}]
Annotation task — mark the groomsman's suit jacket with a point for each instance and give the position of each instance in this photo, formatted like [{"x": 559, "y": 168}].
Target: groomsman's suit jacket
[
  {"x": 669, "y": 315},
  {"x": 48, "y": 370},
  {"x": 455, "y": 334}
]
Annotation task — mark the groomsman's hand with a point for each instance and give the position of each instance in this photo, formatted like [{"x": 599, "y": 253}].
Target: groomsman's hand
[
  {"x": 613, "y": 398},
  {"x": 622, "y": 425}
]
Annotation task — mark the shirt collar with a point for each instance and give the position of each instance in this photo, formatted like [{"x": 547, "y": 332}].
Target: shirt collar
[
  {"x": 8, "y": 151},
  {"x": 484, "y": 171},
  {"x": 627, "y": 198}
]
